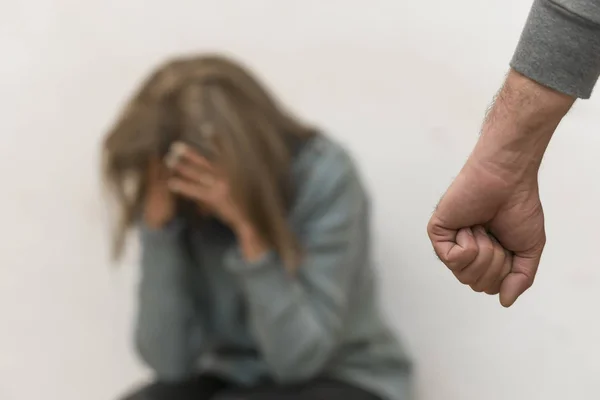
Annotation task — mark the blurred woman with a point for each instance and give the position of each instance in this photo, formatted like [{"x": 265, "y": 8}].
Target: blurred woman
[{"x": 257, "y": 280}]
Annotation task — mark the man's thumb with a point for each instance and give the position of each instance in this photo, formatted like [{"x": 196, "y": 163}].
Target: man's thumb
[{"x": 518, "y": 280}]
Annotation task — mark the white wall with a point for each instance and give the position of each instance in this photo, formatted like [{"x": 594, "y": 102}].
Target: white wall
[{"x": 405, "y": 84}]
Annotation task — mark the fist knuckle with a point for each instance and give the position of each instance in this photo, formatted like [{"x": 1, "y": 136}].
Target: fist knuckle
[
  {"x": 465, "y": 278},
  {"x": 477, "y": 287},
  {"x": 454, "y": 266}
]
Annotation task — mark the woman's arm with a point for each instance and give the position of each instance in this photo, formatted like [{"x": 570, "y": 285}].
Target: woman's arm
[
  {"x": 298, "y": 320},
  {"x": 165, "y": 310}
]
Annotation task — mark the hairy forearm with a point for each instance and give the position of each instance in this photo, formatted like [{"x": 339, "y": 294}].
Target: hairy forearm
[{"x": 519, "y": 126}]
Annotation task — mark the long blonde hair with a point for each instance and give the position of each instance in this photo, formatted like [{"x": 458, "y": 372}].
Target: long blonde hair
[{"x": 254, "y": 136}]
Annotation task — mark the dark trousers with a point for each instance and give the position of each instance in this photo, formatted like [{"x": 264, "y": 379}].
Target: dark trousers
[{"x": 208, "y": 387}]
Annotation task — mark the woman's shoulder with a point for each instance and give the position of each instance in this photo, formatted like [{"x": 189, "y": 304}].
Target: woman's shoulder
[
  {"x": 325, "y": 169},
  {"x": 322, "y": 160}
]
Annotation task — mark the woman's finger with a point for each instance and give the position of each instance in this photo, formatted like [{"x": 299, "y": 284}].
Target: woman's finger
[
  {"x": 156, "y": 171},
  {"x": 472, "y": 272},
  {"x": 188, "y": 189},
  {"x": 174, "y": 155},
  {"x": 183, "y": 152},
  {"x": 193, "y": 174}
]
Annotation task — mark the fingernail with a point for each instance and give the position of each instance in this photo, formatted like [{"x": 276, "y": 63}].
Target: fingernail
[
  {"x": 170, "y": 160},
  {"x": 178, "y": 148},
  {"x": 175, "y": 152}
]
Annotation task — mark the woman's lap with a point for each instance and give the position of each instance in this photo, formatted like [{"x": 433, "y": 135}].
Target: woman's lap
[
  {"x": 320, "y": 389},
  {"x": 211, "y": 388},
  {"x": 201, "y": 388}
]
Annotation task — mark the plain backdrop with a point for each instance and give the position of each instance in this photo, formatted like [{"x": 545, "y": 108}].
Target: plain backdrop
[{"x": 404, "y": 84}]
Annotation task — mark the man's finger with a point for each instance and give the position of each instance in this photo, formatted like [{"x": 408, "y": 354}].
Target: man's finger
[
  {"x": 485, "y": 254},
  {"x": 495, "y": 288},
  {"x": 518, "y": 280},
  {"x": 455, "y": 249},
  {"x": 493, "y": 270}
]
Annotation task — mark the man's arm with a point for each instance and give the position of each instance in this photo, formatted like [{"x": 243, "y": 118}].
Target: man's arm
[
  {"x": 518, "y": 128},
  {"x": 560, "y": 46},
  {"x": 557, "y": 60}
]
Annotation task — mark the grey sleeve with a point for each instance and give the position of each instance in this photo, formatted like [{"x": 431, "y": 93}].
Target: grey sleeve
[
  {"x": 300, "y": 330},
  {"x": 165, "y": 308},
  {"x": 560, "y": 46}
]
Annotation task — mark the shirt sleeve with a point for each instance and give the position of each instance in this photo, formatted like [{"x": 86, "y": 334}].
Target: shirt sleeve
[
  {"x": 165, "y": 307},
  {"x": 297, "y": 319},
  {"x": 560, "y": 46}
]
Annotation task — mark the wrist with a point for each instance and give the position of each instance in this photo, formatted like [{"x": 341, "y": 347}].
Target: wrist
[
  {"x": 519, "y": 126},
  {"x": 156, "y": 220},
  {"x": 251, "y": 243},
  {"x": 244, "y": 231}
]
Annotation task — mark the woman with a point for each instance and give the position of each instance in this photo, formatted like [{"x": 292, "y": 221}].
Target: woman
[{"x": 256, "y": 271}]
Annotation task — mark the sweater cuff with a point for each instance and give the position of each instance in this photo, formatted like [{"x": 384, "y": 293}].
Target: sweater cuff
[
  {"x": 168, "y": 233},
  {"x": 161, "y": 256},
  {"x": 235, "y": 262},
  {"x": 263, "y": 280},
  {"x": 559, "y": 49}
]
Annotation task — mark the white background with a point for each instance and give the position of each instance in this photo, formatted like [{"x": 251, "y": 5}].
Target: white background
[{"x": 404, "y": 83}]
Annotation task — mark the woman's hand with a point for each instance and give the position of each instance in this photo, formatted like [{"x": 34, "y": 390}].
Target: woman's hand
[
  {"x": 197, "y": 179},
  {"x": 159, "y": 204}
]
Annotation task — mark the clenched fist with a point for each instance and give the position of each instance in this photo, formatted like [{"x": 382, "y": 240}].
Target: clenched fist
[{"x": 489, "y": 231}]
